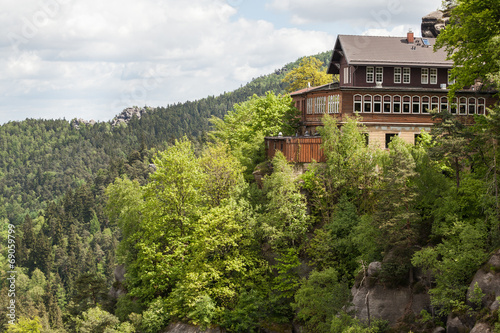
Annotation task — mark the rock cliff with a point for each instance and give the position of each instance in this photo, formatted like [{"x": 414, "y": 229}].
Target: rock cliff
[{"x": 126, "y": 115}]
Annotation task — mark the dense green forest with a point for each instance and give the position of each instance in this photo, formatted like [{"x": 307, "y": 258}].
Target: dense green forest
[
  {"x": 160, "y": 220},
  {"x": 53, "y": 177}
]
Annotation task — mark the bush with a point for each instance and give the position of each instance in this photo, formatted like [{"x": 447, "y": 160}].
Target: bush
[{"x": 155, "y": 317}]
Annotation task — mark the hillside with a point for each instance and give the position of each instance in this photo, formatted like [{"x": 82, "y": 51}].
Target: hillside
[{"x": 41, "y": 159}]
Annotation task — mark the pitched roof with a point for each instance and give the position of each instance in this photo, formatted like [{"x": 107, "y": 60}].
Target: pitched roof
[
  {"x": 301, "y": 91},
  {"x": 387, "y": 51}
]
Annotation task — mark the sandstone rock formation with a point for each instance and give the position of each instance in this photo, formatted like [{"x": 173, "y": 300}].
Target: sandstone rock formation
[
  {"x": 76, "y": 123},
  {"x": 488, "y": 279},
  {"x": 387, "y": 304},
  {"x": 433, "y": 23},
  {"x": 126, "y": 115}
]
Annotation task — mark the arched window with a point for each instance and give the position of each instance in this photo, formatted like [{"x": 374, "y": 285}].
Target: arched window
[
  {"x": 387, "y": 104},
  {"x": 396, "y": 105},
  {"x": 462, "y": 107},
  {"x": 444, "y": 103},
  {"x": 425, "y": 104},
  {"x": 481, "y": 106},
  {"x": 435, "y": 103},
  {"x": 416, "y": 104},
  {"x": 377, "y": 103},
  {"x": 454, "y": 105},
  {"x": 472, "y": 105},
  {"x": 406, "y": 104},
  {"x": 367, "y": 103},
  {"x": 357, "y": 103}
]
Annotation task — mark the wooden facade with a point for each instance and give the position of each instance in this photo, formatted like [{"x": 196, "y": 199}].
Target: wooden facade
[
  {"x": 296, "y": 149},
  {"x": 390, "y": 83}
]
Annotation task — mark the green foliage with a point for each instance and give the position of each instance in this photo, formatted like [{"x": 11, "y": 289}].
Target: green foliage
[
  {"x": 472, "y": 48},
  {"x": 350, "y": 166},
  {"x": 287, "y": 281},
  {"x": 155, "y": 317},
  {"x": 204, "y": 312},
  {"x": 96, "y": 320},
  {"x": 453, "y": 262},
  {"x": 320, "y": 298},
  {"x": 244, "y": 128},
  {"x": 26, "y": 325},
  {"x": 309, "y": 72},
  {"x": 284, "y": 222},
  {"x": 335, "y": 244}
]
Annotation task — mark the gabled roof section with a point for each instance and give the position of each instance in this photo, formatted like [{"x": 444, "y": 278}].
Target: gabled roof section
[
  {"x": 332, "y": 85},
  {"x": 386, "y": 51}
]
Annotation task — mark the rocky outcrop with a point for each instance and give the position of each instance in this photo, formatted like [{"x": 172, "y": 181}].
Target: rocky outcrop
[
  {"x": 186, "y": 328},
  {"x": 481, "y": 328},
  {"x": 488, "y": 279},
  {"x": 76, "y": 123},
  {"x": 379, "y": 302},
  {"x": 118, "y": 288},
  {"x": 455, "y": 325},
  {"x": 387, "y": 304},
  {"x": 433, "y": 23},
  {"x": 126, "y": 115}
]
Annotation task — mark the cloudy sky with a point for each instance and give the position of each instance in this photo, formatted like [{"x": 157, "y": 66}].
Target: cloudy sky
[{"x": 91, "y": 58}]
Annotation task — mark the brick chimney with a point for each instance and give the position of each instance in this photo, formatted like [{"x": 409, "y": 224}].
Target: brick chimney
[{"x": 409, "y": 37}]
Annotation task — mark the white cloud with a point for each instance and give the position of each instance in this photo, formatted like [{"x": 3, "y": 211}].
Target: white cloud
[
  {"x": 363, "y": 15},
  {"x": 92, "y": 58}
]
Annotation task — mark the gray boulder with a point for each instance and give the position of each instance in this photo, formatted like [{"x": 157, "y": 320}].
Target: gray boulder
[
  {"x": 481, "y": 328},
  {"x": 455, "y": 325},
  {"x": 387, "y": 304},
  {"x": 488, "y": 279}
]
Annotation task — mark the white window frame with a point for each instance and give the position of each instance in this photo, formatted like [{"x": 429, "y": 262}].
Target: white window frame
[
  {"x": 397, "y": 75},
  {"x": 379, "y": 103},
  {"x": 396, "y": 103},
  {"x": 346, "y": 75},
  {"x": 424, "y": 73},
  {"x": 319, "y": 105},
  {"x": 310, "y": 106},
  {"x": 333, "y": 103},
  {"x": 445, "y": 104},
  {"x": 435, "y": 106},
  {"x": 370, "y": 74},
  {"x": 384, "y": 103},
  {"x": 413, "y": 104},
  {"x": 433, "y": 76},
  {"x": 472, "y": 105},
  {"x": 425, "y": 105},
  {"x": 450, "y": 79},
  {"x": 403, "y": 103},
  {"x": 406, "y": 75},
  {"x": 354, "y": 102},
  {"x": 462, "y": 105},
  {"x": 369, "y": 103},
  {"x": 481, "y": 105},
  {"x": 379, "y": 74}
]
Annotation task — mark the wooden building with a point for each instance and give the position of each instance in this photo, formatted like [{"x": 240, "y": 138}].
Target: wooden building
[{"x": 391, "y": 83}]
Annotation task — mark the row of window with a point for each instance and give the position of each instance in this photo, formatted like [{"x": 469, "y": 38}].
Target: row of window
[
  {"x": 417, "y": 104},
  {"x": 403, "y": 74},
  {"x": 323, "y": 104}
]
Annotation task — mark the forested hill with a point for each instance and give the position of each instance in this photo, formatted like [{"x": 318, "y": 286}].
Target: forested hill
[{"x": 40, "y": 160}]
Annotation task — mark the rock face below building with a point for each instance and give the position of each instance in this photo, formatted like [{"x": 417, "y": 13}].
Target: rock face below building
[{"x": 433, "y": 23}]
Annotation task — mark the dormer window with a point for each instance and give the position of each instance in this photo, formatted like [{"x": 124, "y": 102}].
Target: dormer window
[{"x": 369, "y": 74}]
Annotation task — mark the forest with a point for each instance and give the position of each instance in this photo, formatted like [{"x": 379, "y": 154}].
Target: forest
[{"x": 161, "y": 220}]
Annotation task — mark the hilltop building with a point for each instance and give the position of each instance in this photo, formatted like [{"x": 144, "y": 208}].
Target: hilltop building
[{"x": 391, "y": 83}]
